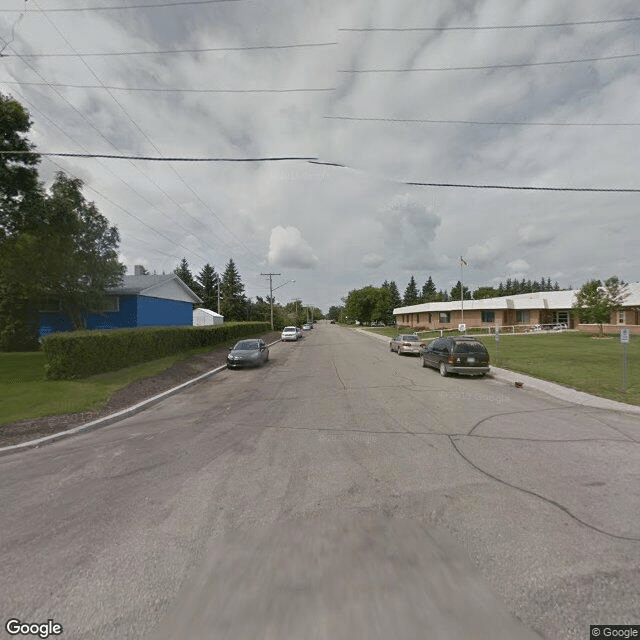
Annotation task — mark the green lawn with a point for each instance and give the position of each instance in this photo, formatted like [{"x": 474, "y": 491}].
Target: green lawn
[
  {"x": 573, "y": 359},
  {"x": 24, "y": 393}
]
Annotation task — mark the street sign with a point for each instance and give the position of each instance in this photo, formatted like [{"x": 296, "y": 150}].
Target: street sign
[
  {"x": 462, "y": 327},
  {"x": 624, "y": 341}
]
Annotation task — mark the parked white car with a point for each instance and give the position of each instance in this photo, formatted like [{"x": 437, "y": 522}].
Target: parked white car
[{"x": 289, "y": 333}]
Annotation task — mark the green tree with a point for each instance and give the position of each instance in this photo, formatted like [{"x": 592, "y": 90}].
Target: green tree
[
  {"x": 455, "y": 292},
  {"x": 20, "y": 190},
  {"x": 334, "y": 312},
  {"x": 429, "y": 291},
  {"x": 485, "y": 292},
  {"x": 21, "y": 210},
  {"x": 233, "y": 303},
  {"x": 79, "y": 251},
  {"x": 411, "y": 295},
  {"x": 207, "y": 281},
  {"x": 362, "y": 304},
  {"x": 595, "y": 303},
  {"x": 184, "y": 273}
]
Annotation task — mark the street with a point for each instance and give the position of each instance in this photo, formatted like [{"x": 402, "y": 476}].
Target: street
[{"x": 339, "y": 491}]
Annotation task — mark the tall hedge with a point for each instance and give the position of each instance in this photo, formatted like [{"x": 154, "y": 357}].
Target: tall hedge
[{"x": 78, "y": 354}]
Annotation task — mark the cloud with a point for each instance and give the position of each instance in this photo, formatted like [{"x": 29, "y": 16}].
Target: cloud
[
  {"x": 480, "y": 255},
  {"x": 519, "y": 265},
  {"x": 532, "y": 235},
  {"x": 372, "y": 260},
  {"x": 287, "y": 248},
  {"x": 409, "y": 227}
]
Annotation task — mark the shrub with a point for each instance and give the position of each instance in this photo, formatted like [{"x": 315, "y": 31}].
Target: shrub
[{"x": 79, "y": 354}]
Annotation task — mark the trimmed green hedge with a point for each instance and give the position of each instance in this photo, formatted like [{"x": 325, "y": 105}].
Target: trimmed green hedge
[{"x": 79, "y": 354}]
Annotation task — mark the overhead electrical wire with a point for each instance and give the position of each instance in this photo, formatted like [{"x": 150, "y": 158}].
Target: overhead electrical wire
[
  {"x": 115, "y": 175},
  {"x": 495, "y": 27},
  {"x": 484, "y": 122},
  {"x": 459, "y": 185},
  {"x": 155, "y": 147},
  {"x": 153, "y": 5},
  {"x": 163, "y": 89},
  {"x": 171, "y": 51},
  {"x": 494, "y": 66},
  {"x": 157, "y": 158}
]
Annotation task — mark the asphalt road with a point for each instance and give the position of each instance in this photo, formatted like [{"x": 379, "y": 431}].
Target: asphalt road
[{"x": 341, "y": 491}]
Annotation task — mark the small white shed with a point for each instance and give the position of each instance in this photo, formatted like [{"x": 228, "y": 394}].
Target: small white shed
[{"x": 203, "y": 317}]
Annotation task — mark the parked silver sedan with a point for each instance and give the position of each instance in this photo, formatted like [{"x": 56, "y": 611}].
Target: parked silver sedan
[
  {"x": 248, "y": 353},
  {"x": 406, "y": 343}
]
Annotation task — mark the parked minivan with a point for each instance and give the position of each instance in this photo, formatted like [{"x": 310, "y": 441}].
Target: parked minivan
[{"x": 462, "y": 354}]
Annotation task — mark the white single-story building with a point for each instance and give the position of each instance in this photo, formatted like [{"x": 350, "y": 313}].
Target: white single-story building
[{"x": 203, "y": 317}]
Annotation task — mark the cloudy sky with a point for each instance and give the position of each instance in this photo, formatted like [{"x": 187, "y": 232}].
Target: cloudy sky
[{"x": 384, "y": 89}]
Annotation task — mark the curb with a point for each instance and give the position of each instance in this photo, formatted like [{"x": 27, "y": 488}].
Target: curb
[
  {"x": 550, "y": 388},
  {"x": 114, "y": 417}
]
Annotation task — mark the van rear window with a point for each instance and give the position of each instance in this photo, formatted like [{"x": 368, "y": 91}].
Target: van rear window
[{"x": 469, "y": 347}]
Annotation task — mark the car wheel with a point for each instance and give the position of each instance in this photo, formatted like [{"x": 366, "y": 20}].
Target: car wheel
[
  {"x": 424, "y": 362},
  {"x": 399, "y": 352},
  {"x": 390, "y": 347},
  {"x": 443, "y": 370}
]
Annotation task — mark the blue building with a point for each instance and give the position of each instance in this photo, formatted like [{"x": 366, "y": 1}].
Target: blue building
[{"x": 139, "y": 301}]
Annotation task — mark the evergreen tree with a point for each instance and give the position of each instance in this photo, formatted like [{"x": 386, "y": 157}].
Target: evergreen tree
[
  {"x": 501, "y": 290},
  {"x": 429, "y": 291},
  {"x": 395, "y": 301},
  {"x": 208, "y": 281},
  {"x": 455, "y": 292},
  {"x": 233, "y": 302},
  {"x": 411, "y": 295},
  {"x": 184, "y": 273}
]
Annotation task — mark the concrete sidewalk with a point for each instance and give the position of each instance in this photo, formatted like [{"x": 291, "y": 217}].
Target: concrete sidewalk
[{"x": 551, "y": 388}]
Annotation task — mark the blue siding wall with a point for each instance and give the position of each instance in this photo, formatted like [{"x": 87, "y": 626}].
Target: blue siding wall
[
  {"x": 160, "y": 312},
  {"x": 134, "y": 311}
]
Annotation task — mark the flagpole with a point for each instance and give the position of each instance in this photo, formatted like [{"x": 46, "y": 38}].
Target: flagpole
[{"x": 461, "y": 293}]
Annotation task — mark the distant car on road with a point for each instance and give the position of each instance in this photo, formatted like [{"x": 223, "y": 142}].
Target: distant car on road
[
  {"x": 463, "y": 355},
  {"x": 306, "y": 327},
  {"x": 332, "y": 321},
  {"x": 405, "y": 343},
  {"x": 289, "y": 334},
  {"x": 248, "y": 353}
]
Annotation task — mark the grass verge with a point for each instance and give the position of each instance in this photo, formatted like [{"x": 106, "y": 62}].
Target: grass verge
[
  {"x": 575, "y": 360},
  {"x": 25, "y": 394}
]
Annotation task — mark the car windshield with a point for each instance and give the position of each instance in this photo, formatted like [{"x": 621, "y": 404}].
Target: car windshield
[
  {"x": 289, "y": 329},
  {"x": 469, "y": 347},
  {"x": 410, "y": 338},
  {"x": 246, "y": 345}
]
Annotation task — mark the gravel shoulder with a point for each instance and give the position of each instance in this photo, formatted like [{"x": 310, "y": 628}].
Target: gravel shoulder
[{"x": 24, "y": 430}]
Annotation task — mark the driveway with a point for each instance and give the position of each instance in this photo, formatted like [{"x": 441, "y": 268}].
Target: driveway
[{"x": 338, "y": 492}]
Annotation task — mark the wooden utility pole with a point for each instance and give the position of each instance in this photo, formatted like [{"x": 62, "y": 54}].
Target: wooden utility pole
[{"x": 271, "y": 292}]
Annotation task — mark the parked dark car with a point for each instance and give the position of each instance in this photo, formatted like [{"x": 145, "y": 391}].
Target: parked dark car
[
  {"x": 463, "y": 355},
  {"x": 248, "y": 353}
]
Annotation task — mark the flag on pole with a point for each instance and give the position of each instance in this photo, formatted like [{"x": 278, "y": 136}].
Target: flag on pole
[{"x": 463, "y": 261}]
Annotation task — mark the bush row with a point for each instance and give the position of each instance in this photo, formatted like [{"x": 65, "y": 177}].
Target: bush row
[{"x": 79, "y": 354}]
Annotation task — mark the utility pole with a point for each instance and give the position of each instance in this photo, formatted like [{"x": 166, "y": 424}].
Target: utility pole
[
  {"x": 218, "y": 295},
  {"x": 271, "y": 292}
]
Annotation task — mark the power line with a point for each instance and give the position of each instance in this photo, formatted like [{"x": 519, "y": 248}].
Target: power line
[
  {"x": 163, "y": 89},
  {"x": 492, "y": 27},
  {"x": 480, "y": 122},
  {"x": 171, "y": 51},
  {"x": 148, "y": 139},
  {"x": 160, "y": 158},
  {"x": 130, "y": 6},
  {"x": 132, "y": 164},
  {"x": 488, "y": 186},
  {"x": 493, "y": 66}
]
